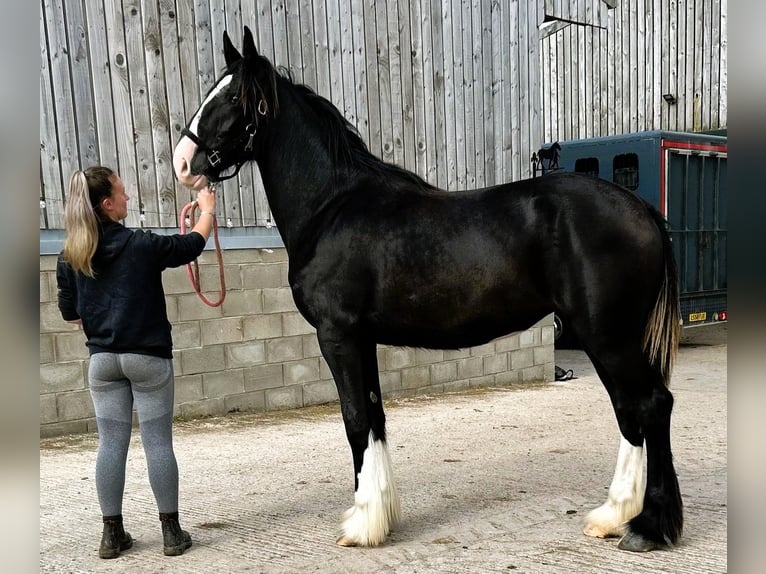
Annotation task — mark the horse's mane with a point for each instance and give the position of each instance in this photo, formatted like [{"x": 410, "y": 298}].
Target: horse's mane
[{"x": 344, "y": 141}]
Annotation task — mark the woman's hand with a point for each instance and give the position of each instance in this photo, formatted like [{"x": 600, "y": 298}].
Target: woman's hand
[{"x": 206, "y": 200}]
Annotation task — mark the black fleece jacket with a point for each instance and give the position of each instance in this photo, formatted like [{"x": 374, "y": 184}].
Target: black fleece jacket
[{"x": 123, "y": 307}]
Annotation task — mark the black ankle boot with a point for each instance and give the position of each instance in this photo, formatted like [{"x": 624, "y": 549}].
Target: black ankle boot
[
  {"x": 114, "y": 538},
  {"x": 174, "y": 539}
]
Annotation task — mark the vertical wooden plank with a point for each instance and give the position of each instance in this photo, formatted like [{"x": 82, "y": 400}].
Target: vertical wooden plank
[
  {"x": 279, "y": 20},
  {"x": 646, "y": 45},
  {"x": 626, "y": 70},
  {"x": 592, "y": 81},
  {"x": 121, "y": 108},
  {"x": 142, "y": 125},
  {"x": 548, "y": 82},
  {"x": 562, "y": 66},
  {"x": 638, "y": 45},
  {"x": 52, "y": 180},
  {"x": 632, "y": 87},
  {"x": 469, "y": 107},
  {"x": 604, "y": 103},
  {"x": 671, "y": 65},
  {"x": 265, "y": 34},
  {"x": 384, "y": 81},
  {"x": 407, "y": 93},
  {"x": 418, "y": 95},
  {"x": 335, "y": 57},
  {"x": 669, "y": 52},
  {"x": 657, "y": 57},
  {"x": 489, "y": 165},
  {"x": 612, "y": 52},
  {"x": 185, "y": 36},
  {"x": 240, "y": 208},
  {"x": 64, "y": 105},
  {"x": 321, "y": 48},
  {"x": 395, "y": 70},
  {"x": 545, "y": 87},
  {"x": 227, "y": 192},
  {"x": 681, "y": 93},
  {"x": 458, "y": 83},
  {"x": 449, "y": 95},
  {"x": 293, "y": 23},
  {"x": 499, "y": 41},
  {"x": 347, "y": 60},
  {"x": 511, "y": 81},
  {"x": 440, "y": 127},
  {"x": 534, "y": 135},
  {"x": 308, "y": 43},
  {"x": 705, "y": 80},
  {"x": 203, "y": 35},
  {"x": 519, "y": 81},
  {"x": 581, "y": 101},
  {"x": 176, "y": 114},
  {"x": 715, "y": 61},
  {"x": 373, "y": 80},
  {"x": 723, "y": 82},
  {"x": 160, "y": 118},
  {"x": 571, "y": 60},
  {"x": 84, "y": 33},
  {"x": 360, "y": 70},
  {"x": 700, "y": 79},
  {"x": 429, "y": 103},
  {"x": 476, "y": 39}
]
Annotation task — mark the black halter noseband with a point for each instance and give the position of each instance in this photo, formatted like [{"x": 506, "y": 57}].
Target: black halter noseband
[{"x": 214, "y": 156}]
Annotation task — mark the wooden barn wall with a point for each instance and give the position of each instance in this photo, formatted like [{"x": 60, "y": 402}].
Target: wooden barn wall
[
  {"x": 605, "y": 71},
  {"x": 446, "y": 88}
]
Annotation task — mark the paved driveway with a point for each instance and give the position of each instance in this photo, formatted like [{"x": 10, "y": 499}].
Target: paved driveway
[{"x": 490, "y": 481}]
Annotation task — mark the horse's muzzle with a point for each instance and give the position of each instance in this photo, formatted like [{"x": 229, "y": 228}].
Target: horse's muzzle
[{"x": 182, "y": 157}]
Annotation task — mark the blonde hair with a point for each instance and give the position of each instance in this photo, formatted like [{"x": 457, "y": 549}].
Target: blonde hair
[{"x": 82, "y": 214}]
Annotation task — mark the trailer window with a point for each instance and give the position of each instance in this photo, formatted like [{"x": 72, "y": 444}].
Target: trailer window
[
  {"x": 625, "y": 168},
  {"x": 587, "y": 165}
]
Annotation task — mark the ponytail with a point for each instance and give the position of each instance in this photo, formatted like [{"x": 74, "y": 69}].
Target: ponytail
[{"x": 82, "y": 214}]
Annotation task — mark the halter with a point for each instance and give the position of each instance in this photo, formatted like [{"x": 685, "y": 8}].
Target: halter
[{"x": 214, "y": 156}]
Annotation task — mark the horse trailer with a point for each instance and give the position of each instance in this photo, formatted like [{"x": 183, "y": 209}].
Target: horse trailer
[{"x": 684, "y": 176}]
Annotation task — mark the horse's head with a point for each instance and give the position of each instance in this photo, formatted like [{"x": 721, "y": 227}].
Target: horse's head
[{"x": 221, "y": 135}]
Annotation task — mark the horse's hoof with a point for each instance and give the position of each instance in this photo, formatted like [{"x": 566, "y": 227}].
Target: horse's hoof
[
  {"x": 345, "y": 541},
  {"x": 634, "y": 542}
]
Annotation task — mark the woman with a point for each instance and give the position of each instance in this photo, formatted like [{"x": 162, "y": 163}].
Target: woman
[{"x": 110, "y": 281}]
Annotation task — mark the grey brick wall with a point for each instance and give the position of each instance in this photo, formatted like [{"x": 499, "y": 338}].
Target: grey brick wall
[{"x": 256, "y": 352}]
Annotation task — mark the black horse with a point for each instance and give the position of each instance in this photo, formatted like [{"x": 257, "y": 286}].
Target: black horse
[{"x": 377, "y": 255}]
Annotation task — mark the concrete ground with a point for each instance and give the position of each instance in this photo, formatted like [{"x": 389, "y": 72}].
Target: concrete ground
[{"x": 496, "y": 480}]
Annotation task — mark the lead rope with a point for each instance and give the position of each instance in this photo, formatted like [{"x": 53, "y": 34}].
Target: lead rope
[{"x": 193, "y": 267}]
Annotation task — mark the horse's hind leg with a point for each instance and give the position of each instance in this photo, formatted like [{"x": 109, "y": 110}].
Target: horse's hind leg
[
  {"x": 626, "y": 494},
  {"x": 354, "y": 366},
  {"x": 643, "y": 407}
]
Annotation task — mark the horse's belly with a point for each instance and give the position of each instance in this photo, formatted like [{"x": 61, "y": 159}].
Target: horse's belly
[{"x": 450, "y": 324}]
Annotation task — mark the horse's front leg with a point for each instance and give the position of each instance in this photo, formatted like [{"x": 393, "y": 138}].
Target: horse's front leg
[{"x": 354, "y": 365}]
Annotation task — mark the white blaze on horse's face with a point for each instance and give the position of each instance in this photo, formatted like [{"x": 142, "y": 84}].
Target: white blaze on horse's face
[{"x": 186, "y": 148}]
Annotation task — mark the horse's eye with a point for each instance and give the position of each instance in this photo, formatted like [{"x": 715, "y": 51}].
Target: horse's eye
[{"x": 235, "y": 99}]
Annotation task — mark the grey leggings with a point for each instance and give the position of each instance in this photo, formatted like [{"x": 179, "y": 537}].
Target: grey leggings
[{"x": 117, "y": 382}]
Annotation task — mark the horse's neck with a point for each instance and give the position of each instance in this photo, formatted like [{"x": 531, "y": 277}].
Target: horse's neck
[{"x": 297, "y": 172}]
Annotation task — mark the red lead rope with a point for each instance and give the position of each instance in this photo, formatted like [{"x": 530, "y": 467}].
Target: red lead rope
[{"x": 193, "y": 267}]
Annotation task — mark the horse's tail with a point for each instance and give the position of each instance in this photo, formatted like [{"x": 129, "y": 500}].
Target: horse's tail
[{"x": 663, "y": 328}]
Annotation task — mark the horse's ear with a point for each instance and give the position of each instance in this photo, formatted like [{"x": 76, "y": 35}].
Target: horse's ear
[
  {"x": 248, "y": 45},
  {"x": 230, "y": 53}
]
